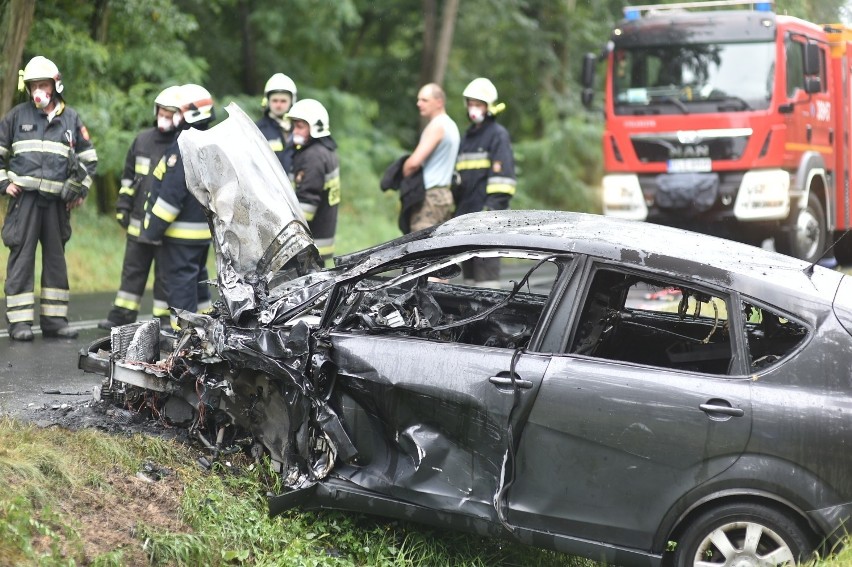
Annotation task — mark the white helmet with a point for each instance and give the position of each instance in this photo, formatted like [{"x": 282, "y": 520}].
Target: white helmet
[
  {"x": 279, "y": 82},
  {"x": 315, "y": 114},
  {"x": 40, "y": 68},
  {"x": 169, "y": 98},
  {"x": 481, "y": 89},
  {"x": 196, "y": 104}
]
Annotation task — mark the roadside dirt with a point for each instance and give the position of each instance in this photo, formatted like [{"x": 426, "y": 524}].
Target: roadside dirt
[{"x": 107, "y": 515}]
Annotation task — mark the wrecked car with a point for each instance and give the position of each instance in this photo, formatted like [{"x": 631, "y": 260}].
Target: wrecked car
[{"x": 630, "y": 393}]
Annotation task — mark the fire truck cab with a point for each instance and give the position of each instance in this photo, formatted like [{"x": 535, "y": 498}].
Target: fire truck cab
[{"x": 730, "y": 121}]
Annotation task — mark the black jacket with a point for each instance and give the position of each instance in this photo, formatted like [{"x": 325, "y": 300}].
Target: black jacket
[
  {"x": 34, "y": 152},
  {"x": 173, "y": 214},
  {"x": 316, "y": 179},
  {"x": 486, "y": 167},
  {"x": 412, "y": 190},
  {"x": 136, "y": 180},
  {"x": 279, "y": 141}
]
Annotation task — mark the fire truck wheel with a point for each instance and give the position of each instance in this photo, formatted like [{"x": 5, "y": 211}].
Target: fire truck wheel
[{"x": 805, "y": 237}]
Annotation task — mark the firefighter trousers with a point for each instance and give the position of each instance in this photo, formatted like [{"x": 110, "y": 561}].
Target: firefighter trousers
[
  {"x": 184, "y": 266},
  {"x": 138, "y": 258},
  {"x": 32, "y": 219}
]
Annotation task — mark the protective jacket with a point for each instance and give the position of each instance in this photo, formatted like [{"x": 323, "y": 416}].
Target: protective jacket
[
  {"x": 278, "y": 139},
  {"x": 35, "y": 153},
  {"x": 172, "y": 213},
  {"x": 317, "y": 183},
  {"x": 146, "y": 152},
  {"x": 486, "y": 167}
]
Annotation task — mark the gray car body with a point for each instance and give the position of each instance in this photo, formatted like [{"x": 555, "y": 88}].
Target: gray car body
[{"x": 593, "y": 457}]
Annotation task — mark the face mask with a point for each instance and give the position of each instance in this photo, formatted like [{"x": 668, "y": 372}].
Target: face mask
[
  {"x": 476, "y": 115},
  {"x": 40, "y": 98},
  {"x": 299, "y": 140},
  {"x": 177, "y": 118},
  {"x": 165, "y": 124}
]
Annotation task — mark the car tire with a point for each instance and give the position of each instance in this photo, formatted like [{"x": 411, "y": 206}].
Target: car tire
[
  {"x": 805, "y": 237},
  {"x": 719, "y": 535}
]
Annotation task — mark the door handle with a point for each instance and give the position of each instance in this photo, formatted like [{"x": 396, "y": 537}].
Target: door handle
[
  {"x": 725, "y": 410},
  {"x": 507, "y": 381}
]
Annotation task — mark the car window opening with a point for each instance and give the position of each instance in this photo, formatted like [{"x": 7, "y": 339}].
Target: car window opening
[
  {"x": 434, "y": 303},
  {"x": 632, "y": 318}
]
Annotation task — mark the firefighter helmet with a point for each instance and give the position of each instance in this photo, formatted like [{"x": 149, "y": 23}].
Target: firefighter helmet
[
  {"x": 481, "y": 89},
  {"x": 196, "y": 104},
  {"x": 40, "y": 68},
  {"x": 315, "y": 114},
  {"x": 279, "y": 82},
  {"x": 169, "y": 98}
]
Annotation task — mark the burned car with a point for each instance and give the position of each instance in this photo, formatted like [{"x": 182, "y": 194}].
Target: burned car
[{"x": 631, "y": 393}]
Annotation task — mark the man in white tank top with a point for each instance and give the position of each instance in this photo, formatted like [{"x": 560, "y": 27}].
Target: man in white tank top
[{"x": 436, "y": 153}]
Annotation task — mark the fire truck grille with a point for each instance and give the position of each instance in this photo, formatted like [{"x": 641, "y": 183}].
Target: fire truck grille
[{"x": 655, "y": 150}]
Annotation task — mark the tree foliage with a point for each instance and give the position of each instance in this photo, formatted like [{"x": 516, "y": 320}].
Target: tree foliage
[{"x": 363, "y": 58}]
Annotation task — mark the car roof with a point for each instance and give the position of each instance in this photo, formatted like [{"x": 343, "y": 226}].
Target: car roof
[{"x": 680, "y": 252}]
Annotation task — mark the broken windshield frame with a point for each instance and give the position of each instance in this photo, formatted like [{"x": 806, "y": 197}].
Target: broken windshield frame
[{"x": 693, "y": 78}]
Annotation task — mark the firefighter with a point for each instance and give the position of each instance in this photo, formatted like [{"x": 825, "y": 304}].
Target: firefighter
[
  {"x": 316, "y": 172},
  {"x": 279, "y": 95},
  {"x": 486, "y": 169},
  {"x": 175, "y": 218},
  {"x": 147, "y": 149},
  {"x": 46, "y": 159}
]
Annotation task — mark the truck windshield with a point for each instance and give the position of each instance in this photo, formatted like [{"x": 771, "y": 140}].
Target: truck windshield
[{"x": 694, "y": 78}]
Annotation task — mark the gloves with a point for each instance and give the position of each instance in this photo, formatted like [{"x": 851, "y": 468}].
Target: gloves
[{"x": 123, "y": 217}]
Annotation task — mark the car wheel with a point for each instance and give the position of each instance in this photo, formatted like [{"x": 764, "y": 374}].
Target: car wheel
[
  {"x": 805, "y": 238},
  {"x": 742, "y": 534}
]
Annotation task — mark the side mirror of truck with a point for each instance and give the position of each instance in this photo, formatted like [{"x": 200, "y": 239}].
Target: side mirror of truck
[
  {"x": 813, "y": 85},
  {"x": 588, "y": 79},
  {"x": 811, "y": 62}
]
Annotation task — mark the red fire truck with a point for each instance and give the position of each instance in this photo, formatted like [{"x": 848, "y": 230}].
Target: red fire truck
[{"x": 732, "y": 121}]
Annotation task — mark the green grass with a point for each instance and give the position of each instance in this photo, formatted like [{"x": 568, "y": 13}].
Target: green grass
[{"x": 66, "y": 494}]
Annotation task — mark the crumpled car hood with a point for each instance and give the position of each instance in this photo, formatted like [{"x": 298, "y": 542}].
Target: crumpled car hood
[{"x": 257, "y": 224}]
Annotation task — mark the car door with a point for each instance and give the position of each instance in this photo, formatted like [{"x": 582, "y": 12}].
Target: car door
[
  {"x": 431, "y": 415},
  {"x": 612, "y": 444}
]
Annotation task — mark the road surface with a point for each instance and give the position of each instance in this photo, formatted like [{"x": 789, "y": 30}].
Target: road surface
[{"x": 31, "y": 373}]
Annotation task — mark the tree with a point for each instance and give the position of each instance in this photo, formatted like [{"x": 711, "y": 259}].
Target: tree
[
  {"x": 436, "y": 53},
  {"x": 16, "y": 20}
]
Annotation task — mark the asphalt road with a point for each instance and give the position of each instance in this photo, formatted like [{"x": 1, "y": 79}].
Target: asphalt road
[{"x": 32, "y": 373}]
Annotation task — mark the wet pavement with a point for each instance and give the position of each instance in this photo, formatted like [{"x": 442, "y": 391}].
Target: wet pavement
[{"x": 43, "y": 373}]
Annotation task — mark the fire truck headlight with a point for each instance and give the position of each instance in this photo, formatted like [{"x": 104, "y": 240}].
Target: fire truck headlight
[
  {"x": 622, "y": 197},
  {"x": 763, "y": 195}
]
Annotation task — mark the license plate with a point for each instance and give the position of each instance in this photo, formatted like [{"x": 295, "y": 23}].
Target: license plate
[{"x": 689, "y": 165}]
